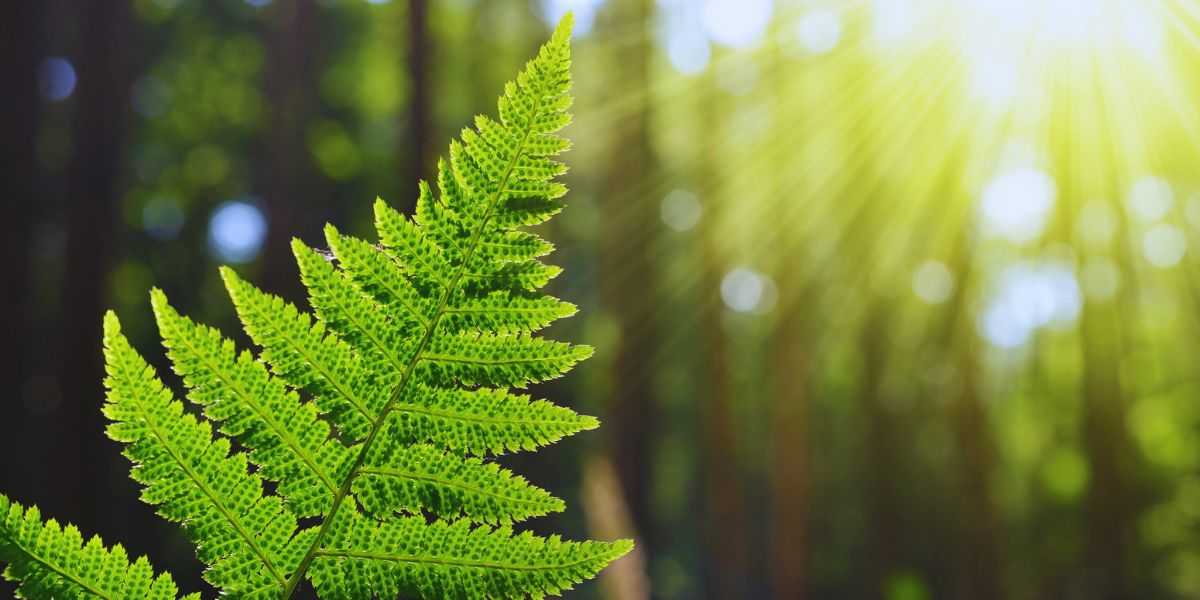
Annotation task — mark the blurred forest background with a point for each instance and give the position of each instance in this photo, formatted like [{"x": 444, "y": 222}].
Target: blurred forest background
[{"x": 893, "y": 298}]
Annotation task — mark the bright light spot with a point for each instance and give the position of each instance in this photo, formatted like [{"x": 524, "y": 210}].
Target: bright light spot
[
  {"x": 56, "y": 78},
  {"x": 681, "y": 33},
  {"x": 1068, "y": 20},
  {"x": 584, "y": 12},
  {"x": 1025, "y": 31},
  {"x": 819, "y": 31},
  {"x": 162, "y": 218},
  {"x": 1100, "y": 279},
  {"x": 1141, "y": 29},
  {"x": 688, "y": 51},
  {"x": 745, "y": 290},
  {"x": 736, "y": 23},
  {"x": 1150, "y": 199},
  {"x": 1029, "y": 298},
  {"x": 1164, "y": 245},
  {"x": 1096, "y": 223},
  {"x": 995, "y": 80},
  {"x": 1019, "y": 152},
  {"x": 258, "y": 3},
  {"x": 681, "y": 210},
  {"x": 933, "y": 282},
  {"x": 1017, "y": 204},
  {"x": 1066, "y": 23},
  {"x": 1010, "y": 46},
  {"x": 893, "y": 20},
  {"x": 236, "y": 231}
]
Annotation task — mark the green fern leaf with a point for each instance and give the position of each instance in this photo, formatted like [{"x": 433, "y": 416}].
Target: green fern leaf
[
  {"x": 481, "y": 421},
  {"x": 464, "y": 276},
  {"x": 304, "y": 353},
  {"x": 409, "y": 557},
  {"x": 288, "y": 441},
  {"x": 52, "y": 561},
  {"x": 244, "y": 536},
  {"x": 385, "y": 341},
  {"x": 379, "y": 276},
  {"x": 415, "y": 477}
]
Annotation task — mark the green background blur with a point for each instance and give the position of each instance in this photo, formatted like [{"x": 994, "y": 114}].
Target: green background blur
[{"x": 892, "y": 298}]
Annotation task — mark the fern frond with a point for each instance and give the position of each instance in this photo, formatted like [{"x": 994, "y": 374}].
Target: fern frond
[
  {"x": 244, "y": 536},
  {"x": 397, "y": 476},
  {"x": 308, "y": 356},
  {"x": 373, "y": 419},
  {"x": 483, "y": 420},
  {"x": 288, "y": 441},
  {"x": 506, "y": 313},
  {"x": 380, "y": 276},
  {"x": 462, "y": 275},
  {"x": 497, "y": 360},
  {"x": 385, "y": 341},
  {"x": 52, "y": 561},
  {"x": 451, "y": 560}
]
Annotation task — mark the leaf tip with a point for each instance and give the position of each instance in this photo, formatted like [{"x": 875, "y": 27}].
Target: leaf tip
[
  {"x": 621, "y": 547},
  {"x": 562, "y": 32},
  {"x": 588, "y": 423},
  {"x": 158, "y": 299},
  {"x": 112, "y": 325},
  {"x": 582, "y": 352}
]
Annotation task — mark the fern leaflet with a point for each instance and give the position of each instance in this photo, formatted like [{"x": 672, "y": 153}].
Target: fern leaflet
[{"x": 51, "y": 561}]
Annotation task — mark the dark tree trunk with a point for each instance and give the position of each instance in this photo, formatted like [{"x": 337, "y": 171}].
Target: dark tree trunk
[
  {"x": 788, "y": 467},
  {"x": 982, "y": 559},
  {"x": 290, "y": 182},
  {"x": 725, "y": 526},
  {"x": 101, "y": 103},
  {"x": 726, "y": 574},
  {"x": 1110, "y": 517},
  {"x": 20, "y": 46},
  {"x": 1110, "y": 504},
  {"x": 981, "y": 564},
  {"x": 882, "y": 472},
  {"x": 627, "y": 275},
  {"x": 417, "y": 147}
]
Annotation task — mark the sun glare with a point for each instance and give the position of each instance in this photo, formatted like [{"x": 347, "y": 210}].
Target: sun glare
[
  {"x": 1010, "y": 47},
  {"x": 1036, "y": 25}
]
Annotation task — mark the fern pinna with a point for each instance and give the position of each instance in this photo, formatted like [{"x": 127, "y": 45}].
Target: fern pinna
[{"x": 373, "y": 418}]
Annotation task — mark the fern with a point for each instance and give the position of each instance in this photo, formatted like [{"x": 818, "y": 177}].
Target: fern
[
  {"x": 51, "y": 561},
  {"x": 374, "y": 417}
]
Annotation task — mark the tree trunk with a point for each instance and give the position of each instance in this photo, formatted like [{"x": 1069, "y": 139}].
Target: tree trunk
[
  {"x": 882, "y": 472},
  {"x": 290, "y": 82},
  {"x": 981, "y": 563},
  {"x": 416, "y": 152},
  {"x": 20, "y": 47},
  {"x": 1110, "y": 504},
  {"x": 101, "y": 103},
  {"x": 725, "y": 525},
  {"x": 788, "y": 469},
  {"x": 627, "y": 275},
  {"x": 982, "y": 559},
  {"x": 1109, "y": 514}
]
